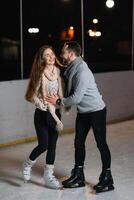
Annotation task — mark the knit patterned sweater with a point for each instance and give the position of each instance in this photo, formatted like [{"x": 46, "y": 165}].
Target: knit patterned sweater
[{"x": 48, "y": 87}]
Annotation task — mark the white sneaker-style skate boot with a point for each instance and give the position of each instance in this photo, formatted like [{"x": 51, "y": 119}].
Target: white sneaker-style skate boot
[
  {"x": 27, "y": 168},
  {"x": 50, "y": 180}
]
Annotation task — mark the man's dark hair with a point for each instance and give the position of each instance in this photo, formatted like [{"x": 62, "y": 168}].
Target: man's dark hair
[{"x": 74, "y": 46}]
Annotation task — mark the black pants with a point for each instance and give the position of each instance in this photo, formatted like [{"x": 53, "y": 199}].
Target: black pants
[
  {"x": 96, "y": 120},
  {"x": 47, "y": 135}
]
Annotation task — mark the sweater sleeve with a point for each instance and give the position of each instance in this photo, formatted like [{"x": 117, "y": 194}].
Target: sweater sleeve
[
  {"x": 80, "y": 84},
  {"x": 38, "y": 102}
]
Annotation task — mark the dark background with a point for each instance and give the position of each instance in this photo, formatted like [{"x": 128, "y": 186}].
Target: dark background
[{"x": 110, "y": 52}]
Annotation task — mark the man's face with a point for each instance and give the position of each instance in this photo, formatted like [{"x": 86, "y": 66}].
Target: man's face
[{"x": 66, "y": 55}]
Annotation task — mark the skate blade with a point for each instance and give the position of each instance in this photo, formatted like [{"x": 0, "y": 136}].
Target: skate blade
[
  {"x": 74, "y": 186},
  {"x": 26, "y": 181},
  {"x": 106, "y": 189},
  {"x": 54, "y": 188}
]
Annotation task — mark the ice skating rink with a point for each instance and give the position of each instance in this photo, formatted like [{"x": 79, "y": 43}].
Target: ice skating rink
[{"x": 120, "y": 138}]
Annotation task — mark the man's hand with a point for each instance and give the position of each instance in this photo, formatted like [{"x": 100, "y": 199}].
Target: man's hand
[{"x": 52, "y": 99}]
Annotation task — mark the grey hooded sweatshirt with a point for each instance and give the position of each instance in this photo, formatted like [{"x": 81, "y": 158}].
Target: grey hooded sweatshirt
[{"x": 82, "y": 90}]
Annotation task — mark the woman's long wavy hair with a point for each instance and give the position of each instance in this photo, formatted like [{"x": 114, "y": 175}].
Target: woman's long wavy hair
[{"x": 38, "y": 67}]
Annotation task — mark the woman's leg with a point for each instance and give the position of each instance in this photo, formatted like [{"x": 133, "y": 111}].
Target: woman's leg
[
  {"x": 41, "y": 127},
  {"x": 50, "y": 180},
  {"x": 42, "y": 136},
  {"x": 52, "y": 139}
]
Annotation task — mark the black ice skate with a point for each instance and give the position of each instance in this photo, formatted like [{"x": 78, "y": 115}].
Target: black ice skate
[
  {"x": 105, "y": 182},
  {"x": 77, "y": 178}
]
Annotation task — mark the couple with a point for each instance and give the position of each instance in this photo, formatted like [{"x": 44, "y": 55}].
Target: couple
[{"x": 45, "y": 90}]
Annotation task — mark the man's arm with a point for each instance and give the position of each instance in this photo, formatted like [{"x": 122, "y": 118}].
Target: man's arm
[{"x": 80, "y": 86}]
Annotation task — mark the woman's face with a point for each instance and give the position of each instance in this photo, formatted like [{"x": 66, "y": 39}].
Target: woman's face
[{"x": 48, "y": 56}]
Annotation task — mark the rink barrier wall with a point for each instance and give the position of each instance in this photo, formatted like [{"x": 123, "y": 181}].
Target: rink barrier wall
[
  {"x": 32, "y": 138},
  {"x": 16, "y": 114}
]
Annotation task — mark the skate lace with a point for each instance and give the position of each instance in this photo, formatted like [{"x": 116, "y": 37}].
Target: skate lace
[
  {"x": 27, "y": 168},
  {"x": 53, "y": 179}
]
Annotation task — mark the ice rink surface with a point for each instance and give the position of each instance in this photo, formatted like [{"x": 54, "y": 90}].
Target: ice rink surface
[{"x": 120, "y": 138}]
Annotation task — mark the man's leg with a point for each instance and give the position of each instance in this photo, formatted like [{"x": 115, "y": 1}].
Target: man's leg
[
  {"x": 77, "y": 178},
  {"x": 99, "y": 128}
]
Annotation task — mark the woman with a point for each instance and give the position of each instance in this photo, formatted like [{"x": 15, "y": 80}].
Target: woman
[{"x": 44, "y": 80}]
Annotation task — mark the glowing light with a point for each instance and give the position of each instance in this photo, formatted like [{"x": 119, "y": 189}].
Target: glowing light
[
  {"x": 33, "y": 30},
  {"x": 91, "y": 33},
  {"x": 71, "y": 27},
  {"x": 109, "y": 3},
  {"x": 71, "y": 32},
  {"x": 95, "y": 21},
  {"x": 98, "y": 33},
  {"x": 94, "y": 33}
]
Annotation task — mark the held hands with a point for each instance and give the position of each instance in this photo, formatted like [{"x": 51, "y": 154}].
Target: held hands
[{"x": 52, "y": 99}]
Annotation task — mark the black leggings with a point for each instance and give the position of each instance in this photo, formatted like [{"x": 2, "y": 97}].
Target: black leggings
[
  {"x": 47, "y": 135},
  {"x": 96, "y": 120}
]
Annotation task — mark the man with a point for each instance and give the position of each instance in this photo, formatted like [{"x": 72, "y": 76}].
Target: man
[{"x": 82, "y": 91}]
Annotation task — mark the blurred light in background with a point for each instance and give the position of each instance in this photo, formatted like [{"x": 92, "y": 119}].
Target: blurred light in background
[
  {"x": 71, "y": 32},
  {"x": 95, "y": 21},
  {"x": 94, "y": 33},
  {"x": 109, "y": 3},
  {"x": 68, "y": 33},
  {"x": 33, "y": 30}
]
